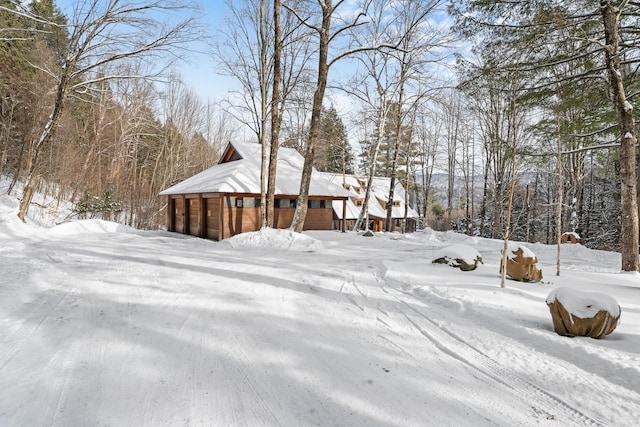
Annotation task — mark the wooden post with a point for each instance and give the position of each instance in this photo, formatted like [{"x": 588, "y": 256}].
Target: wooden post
[
  {"x": 171, "y": 212},
  {"x": 344, "y": 215},
  {"x": 203, "y": 216},
  {"x": 221, "y": 217},
  {"x": 185, "y": 212}
]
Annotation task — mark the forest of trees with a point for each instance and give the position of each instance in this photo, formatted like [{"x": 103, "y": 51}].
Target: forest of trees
[{"x": 509, "y": 118}]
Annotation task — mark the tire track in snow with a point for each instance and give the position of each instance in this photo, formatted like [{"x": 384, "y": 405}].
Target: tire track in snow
[
  {"x": 541, "y": 400},
  {"x": 349, "y": 296},
  {"x": 492, "y": 369}
]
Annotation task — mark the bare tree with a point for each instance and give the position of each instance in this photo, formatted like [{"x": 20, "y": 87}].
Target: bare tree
[
  {"x": 428, "y": 131},
  {"x": 101, "y": 34},
  {"x": 327, "y": 35},
  {"x": 418, "y": 39},
  {"x": 246, "y": 55},
  {"x": 452, "y": 110},
  {"x": 275, "y": 115},
  {"x": 267, "y": 54},
  {"x": 375, "y": 87},
  {"x": 513, "y": 134}
]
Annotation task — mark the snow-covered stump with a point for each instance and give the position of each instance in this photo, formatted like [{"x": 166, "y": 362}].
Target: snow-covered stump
[
  {"x": 584, "y": 314},
  {"x": 460, "y": 256},
  {"x": 521, "y": 265}
]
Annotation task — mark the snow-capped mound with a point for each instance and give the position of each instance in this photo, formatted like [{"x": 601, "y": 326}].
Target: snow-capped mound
[
  {"x": 88, "y": 226},
  {"x": 274, "y": 238},
  {"x": 459, "y": 251}
]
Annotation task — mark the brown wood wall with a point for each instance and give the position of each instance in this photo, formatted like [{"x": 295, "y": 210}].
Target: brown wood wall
[
  {"x": 213, "y": 217},
  {"x": 319, "y": 219},
  {"x": 316, "y": 219},
  {"x": 210, "y": 217},
  {"x": 240, "y": 220},
  {"x": 179, "y": 216},
  {"x": 194, "y": 216}
]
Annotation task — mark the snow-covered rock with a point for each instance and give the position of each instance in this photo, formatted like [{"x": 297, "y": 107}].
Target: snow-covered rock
[
  {"x": 522, "y": 264},
  {"x": 461, "y": 256}
]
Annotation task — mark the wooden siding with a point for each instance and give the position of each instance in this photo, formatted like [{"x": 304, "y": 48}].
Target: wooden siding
[
  {"x": 194, "y": 216},
  {"x": 179, "y": 215},
  {"x": 283, "y": 217},
  {"x": 171, "y": 211},
  {"x": 319, "y": 218},
  {"x": 240, "y": 220},
  {"x": 316, "y": 219},
  {"x": 213, "y": 217}
]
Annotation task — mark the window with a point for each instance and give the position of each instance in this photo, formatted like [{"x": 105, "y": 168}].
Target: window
[
  {"x": 251, "y": 202},
  {"x": 239, "y": 202},
  {"x": 285, "y": 203},
  {"x": 359, "y": 202},
  {"x": 317, "y": 204},
  {"x": 395, "y": 204}
]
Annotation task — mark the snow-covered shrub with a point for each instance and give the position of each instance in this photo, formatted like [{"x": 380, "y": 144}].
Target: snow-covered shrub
[{"x": 107, "y": 206}]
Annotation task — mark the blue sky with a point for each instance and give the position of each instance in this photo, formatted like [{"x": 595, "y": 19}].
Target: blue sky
[{"x": 199, "y": 68}]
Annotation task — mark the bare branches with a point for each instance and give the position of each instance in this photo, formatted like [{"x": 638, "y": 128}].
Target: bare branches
[{"x": 101, "y": 35}]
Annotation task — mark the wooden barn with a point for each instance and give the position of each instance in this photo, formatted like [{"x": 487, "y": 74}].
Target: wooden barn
[
  {"x": 224, "y": 200},
  {"x": 376, "y": 209}
]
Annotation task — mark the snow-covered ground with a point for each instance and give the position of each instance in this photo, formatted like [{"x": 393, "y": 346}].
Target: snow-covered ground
[{"x": 103, "y": 325}]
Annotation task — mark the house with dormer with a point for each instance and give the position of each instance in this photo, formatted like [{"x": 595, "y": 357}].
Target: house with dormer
[
  {"x": 377, "y": 206},
  {"x": 224, "y": 200}
]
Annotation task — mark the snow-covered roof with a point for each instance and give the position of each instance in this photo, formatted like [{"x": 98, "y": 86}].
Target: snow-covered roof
[
  {"x": 353, "y": 211},
  {"x": 241, "y": 174},
  {"x": 378, "y": 198}
]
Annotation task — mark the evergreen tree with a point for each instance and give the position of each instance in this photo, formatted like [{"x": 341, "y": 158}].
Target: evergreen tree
[
  {"x": 54, "y": 36},
  {"x": 536, "y": 39},
  {"x": 334, "y": 153}
]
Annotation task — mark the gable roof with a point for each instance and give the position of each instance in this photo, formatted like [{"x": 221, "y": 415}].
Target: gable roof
[
  {"x": 378, "y": 198},
  {"x": 239, "y": 172}
]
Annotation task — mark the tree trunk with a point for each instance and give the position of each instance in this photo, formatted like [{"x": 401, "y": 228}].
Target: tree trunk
[
  {"x": 560, "y": 201},
  {"x": 316, "y": 112},
  {"x": 512, "y": 186},
  {"x": 382, "y": 118},
  {"x": 263, "y": 116},
  {"x": 483, "y": 204},
  {"x": 45, "y": 137},
  {"x": 275, "y": 116},
  {"x": 398, "y": 139},
  {"x": 624, "y": 112}
]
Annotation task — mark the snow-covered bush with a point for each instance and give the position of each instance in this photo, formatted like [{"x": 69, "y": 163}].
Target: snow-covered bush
[{"x": 107, "y": 206}]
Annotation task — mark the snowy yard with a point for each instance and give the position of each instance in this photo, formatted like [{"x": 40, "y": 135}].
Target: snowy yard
[{"x": 104, "y": 325}]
